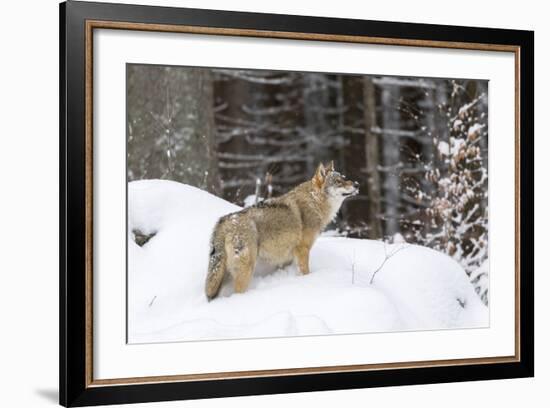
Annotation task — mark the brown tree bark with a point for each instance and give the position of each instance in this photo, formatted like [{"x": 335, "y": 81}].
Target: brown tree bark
[
  {"x": 372, "y": 160},
  {"x": 171, "y": 129}
]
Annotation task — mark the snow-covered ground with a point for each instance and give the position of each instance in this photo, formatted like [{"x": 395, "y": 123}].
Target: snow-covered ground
[{"x": 414, "y": 288}]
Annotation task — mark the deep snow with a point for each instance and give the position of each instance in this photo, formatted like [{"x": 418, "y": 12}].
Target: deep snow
[{"x": 414, "y": 288}]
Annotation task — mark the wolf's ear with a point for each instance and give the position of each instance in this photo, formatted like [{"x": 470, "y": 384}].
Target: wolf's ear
[
  {"x": 330, "y": 166},
  {"x": 319, "y": 177}
]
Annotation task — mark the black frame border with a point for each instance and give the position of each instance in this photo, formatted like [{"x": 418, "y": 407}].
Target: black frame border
[{"x": 72, "y": 177}]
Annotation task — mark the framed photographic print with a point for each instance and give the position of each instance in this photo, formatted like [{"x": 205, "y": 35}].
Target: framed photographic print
[{"x": 256, "y": 203}]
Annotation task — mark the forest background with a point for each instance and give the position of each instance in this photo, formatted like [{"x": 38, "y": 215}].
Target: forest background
[{"x": 417, "y": 146}]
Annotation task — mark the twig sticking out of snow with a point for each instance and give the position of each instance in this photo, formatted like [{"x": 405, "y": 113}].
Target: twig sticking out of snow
[
  {"x": 461, "y": 302},
  {"x": 386, "y": 258},
  {"x": 257, "y": 191},
  {"x": 141, "y": 238},
  {"x": 353, "y": 268}
]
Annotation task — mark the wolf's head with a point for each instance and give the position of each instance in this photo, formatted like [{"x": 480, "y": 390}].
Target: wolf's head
[{"x": 334, "y": 184}]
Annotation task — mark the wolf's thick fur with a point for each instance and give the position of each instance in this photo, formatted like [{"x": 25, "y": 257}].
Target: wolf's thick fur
[{"x": 277, "y": 231}]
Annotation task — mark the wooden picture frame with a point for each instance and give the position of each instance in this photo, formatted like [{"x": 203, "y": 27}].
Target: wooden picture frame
[{"x": 78, "y": 20}]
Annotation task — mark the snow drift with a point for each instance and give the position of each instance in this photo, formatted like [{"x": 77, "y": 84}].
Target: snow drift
[{"x": 414, "y": 288}]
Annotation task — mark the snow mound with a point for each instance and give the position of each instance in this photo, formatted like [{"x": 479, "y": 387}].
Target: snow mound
[{"x": 413, "y": 288}]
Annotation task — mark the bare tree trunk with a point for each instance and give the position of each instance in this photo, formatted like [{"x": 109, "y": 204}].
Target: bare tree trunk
[
  {"x": 202, "y": 85},
  {"x": 231, "y": 94},
  {"x": 171, "y": 132},
  {"x": 353, "y": 165},
  {"x": 391, "y": 155},
  {"x": 315, "y": 98},
  {"x": 372, "y": 160}
]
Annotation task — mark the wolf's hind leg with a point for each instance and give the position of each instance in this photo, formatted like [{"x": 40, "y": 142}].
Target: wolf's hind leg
[
  {"x": 244, "y": 272},
  {"x": 301, "y": 253},
  {"x": 243, "y": 263}
]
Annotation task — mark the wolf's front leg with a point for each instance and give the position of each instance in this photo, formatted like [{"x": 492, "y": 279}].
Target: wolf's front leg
[{"x": 301, "y": 253}]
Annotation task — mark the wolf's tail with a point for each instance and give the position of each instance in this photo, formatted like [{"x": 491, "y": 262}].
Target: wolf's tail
[{"x": 217, "y": 263}]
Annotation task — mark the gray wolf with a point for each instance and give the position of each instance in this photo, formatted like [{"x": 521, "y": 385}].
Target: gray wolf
[{"x": 277, "y": 231}]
